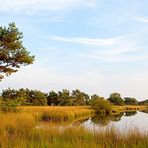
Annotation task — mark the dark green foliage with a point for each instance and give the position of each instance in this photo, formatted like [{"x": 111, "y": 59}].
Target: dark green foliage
[
  {"x": 80, "y": 98},
  {"x": 52, "y": 98},
  {"x": 94, "y": 97},
  {"x": 9, "y": 93},
  {"x": 115, "y": 98},
  {"x": 8, "y": 105},
  {"x": 145, "y": 102},
  {"x": 65, "y": 98},
  {"x": 13, "y": 54},
  {"x": 130, "y": 101},
  {"x": 36, "y": 98},
  {"x": 25, "y": 96}
]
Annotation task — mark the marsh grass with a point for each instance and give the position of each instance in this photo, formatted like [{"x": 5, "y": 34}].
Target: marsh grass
[
  {"x": 71, "y": 137},
  {"x": 19, "y": 130},
  {"x": 58, "y": 114},
  {"x": 119, "y": 109}
]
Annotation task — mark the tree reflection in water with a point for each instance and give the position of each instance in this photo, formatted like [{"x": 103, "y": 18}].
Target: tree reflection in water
[
  {"x": 104, "y": 120},
  {"x": 131, "y": 113},
  {"x": 117, "y": 118},
  {"x": 80, "y": 122},
  {"x": 101, "y": 120},
  {"x": 144, "y": 111}
]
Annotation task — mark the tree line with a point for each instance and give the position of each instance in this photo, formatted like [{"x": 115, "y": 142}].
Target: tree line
[
  {"x": 13, "y": 55},
  {"x": 27, "y": 97}
]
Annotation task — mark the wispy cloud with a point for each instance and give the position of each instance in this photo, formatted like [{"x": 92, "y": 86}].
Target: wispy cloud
[
  {"x": 117, "y": 49},
  {"x": 89, "y": 41},
  {"x": 116, "y": 59},
  {"x": 142, "y": 19},
  {"x": 43, "y": 5}
]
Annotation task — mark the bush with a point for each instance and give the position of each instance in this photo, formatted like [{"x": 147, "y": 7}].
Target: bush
[
  {"x": 100, "y": 105},
  {"x": 9, "y": 105}
]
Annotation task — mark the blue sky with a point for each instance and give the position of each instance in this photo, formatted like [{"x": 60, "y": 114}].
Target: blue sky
[{"x": 97, "y": 46}]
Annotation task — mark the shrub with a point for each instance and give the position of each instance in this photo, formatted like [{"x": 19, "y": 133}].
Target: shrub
[
  {"x": 100, "y": 105},
  {"x": 9, "y": 105}
]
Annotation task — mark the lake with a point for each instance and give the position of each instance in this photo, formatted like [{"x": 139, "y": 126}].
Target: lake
[{"x": 123, "y": 122}]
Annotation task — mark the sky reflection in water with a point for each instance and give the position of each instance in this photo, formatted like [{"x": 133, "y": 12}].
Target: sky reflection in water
[{"x": 123, "y": 122}]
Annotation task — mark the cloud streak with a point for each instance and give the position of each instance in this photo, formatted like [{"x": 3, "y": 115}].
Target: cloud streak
[
  {"x": 141, "y": 19},
  {"x": 89, "y": 41},
  {"x": 43, "y": 5},
  {"x": 123, "y": 48}
]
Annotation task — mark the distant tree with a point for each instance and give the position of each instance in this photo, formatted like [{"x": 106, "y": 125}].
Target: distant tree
[
  {"x": 80, "y": 98},
  {"x": 95, "y": 96},
  {"x": 64, "y": 98},
  {"x": 25, "y": 96},
  {"x": 115, "y": 98},
  {"x": 22, "y": 96},
  {"x": 145, "y": 102},
  {"x": 130, "y": 101},
  {"x": 9, "y": 101},
  {"x": 36, "y": 98},
  {"x": 52, "y": 98},
  {"x": 86, "y": 99},
  {"x": 13, "y": 54},
  {"x": 17, "y": 95},
  {"x": 10, "y": 94}
]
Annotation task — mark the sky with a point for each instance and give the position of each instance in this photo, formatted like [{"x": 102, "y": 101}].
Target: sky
[{"x": 97, "y": 46}]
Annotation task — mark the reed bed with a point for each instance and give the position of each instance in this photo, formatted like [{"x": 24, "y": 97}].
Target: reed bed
[
  {"x": 58, "y": 114},
  {"x": 18, "y": 130},
  {"x": 119, "y": 109}
]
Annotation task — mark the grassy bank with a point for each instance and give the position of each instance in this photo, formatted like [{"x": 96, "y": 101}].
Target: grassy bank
[
  {"x": 71, "y": 113},
  {"x": 128, "y": 108},
  {"x": 58, "y": 114},
  {"x": 18, "y": 130}
]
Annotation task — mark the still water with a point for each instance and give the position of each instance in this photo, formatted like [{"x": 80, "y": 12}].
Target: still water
[{"x": 123, "y": 122}]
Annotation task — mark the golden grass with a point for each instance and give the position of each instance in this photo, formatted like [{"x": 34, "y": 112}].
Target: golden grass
[
  {"x": 119, "y": 109},
  {"x": 19, "y": 130},
  {"x": 71, "y": 113},
  {"x": 58, "y": 114}
]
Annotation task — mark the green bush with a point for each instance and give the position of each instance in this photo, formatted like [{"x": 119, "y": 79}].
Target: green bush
[
  {"x": 100, "y": 105},
  {"x": 9, "y": 105}
]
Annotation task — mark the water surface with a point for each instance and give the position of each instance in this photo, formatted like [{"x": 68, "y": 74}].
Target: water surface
[{"x": 123, "y": 122}]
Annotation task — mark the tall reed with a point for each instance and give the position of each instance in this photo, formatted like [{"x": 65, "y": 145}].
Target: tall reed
[
  {"x": 58, "y": 114},
  {"x": 19, "y": 130}
]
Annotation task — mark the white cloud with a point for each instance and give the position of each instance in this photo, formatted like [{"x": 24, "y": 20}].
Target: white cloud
[
  {"x": 31, "y": 6},
  {"x": 116, "y": 59},
  {"x": 88, "y": 41},
  {"x": 142, "y": 19},
  {"x": 116, "y": 49}
]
